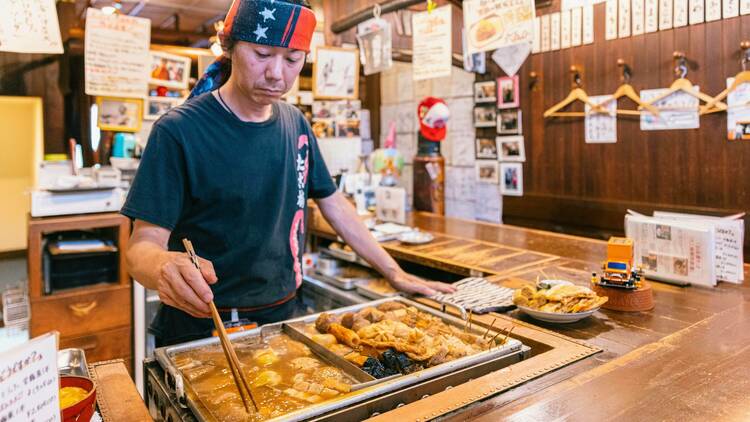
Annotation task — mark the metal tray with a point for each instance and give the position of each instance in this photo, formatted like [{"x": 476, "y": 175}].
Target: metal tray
[
  {"x": 363, "y": 391},
  {"x": 72, "y": 362},
  {"x": 344, "y": 283},
  {"x": 366, "y": 291}
]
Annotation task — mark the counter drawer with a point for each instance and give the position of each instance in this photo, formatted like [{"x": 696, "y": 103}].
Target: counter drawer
[
  {"x": 102, "y": 345},
  {"x": 81, "y": 312}
]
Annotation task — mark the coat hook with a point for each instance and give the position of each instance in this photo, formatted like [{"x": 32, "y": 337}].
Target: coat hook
[
  {"x": 576, "y": 73},
  {"x": 626, "y": 71},
  {"x": 745, "y": 46},
  {"x": 533, "y": 78},
  {"x": 681, "y": 68}
]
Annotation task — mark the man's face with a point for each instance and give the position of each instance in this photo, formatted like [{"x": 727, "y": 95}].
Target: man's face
[{"x": 265, "y": 73}]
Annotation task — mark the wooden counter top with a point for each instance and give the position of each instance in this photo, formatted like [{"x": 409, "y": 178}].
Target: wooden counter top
[{"x": 687, "y": 359}]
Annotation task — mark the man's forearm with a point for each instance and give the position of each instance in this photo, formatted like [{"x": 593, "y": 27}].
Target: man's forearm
[
  {"x": 145, "y": 260},
  {"x": 342, "y": 216}
]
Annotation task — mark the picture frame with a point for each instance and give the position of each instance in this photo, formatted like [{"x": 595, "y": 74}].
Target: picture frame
[
  {"x": 485, "y": 92},
  {"x": 511, "y": 148},
  {"x": 509, "y": 122},
  {"x": 336, "y": 73},
  {"x": 485, "y": 116},
  {"x": 487, "y": 171},
  {"x": 511, "y": 179},
  {"x": 119, "y": 114},
  {"x": 155, "y": 107},
  {"x": 485, "y": 148},
  {"x": 508, "y": 94},
  {"x": 169, "y": 70}
]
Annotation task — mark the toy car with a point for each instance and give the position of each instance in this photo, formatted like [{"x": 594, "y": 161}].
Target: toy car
[{"x": 618, "y": 270}]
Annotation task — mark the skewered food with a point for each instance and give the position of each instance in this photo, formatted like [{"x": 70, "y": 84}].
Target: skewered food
[
  {"x": 562, "y": 298},
  {"x": 394, "y": 338}
]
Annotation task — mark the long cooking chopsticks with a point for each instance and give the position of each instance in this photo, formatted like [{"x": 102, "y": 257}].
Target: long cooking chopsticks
[{"x": 226, "y": 344}]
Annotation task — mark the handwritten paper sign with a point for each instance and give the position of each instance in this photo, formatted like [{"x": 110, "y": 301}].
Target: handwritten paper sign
[
  {"x": 601, "y": 127},
  {"x": 29, "y": 26},
  {"x": 29, "y": 381},
  {"x": 432, "y": 40},
  {"x": 491, "y": 24},
  {"x": 677, "y": 111},
  {"x": 116, "y": 56},
  {"x": 738, "y": 112}
]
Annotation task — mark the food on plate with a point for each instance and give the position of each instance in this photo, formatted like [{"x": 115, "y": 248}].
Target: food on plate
[
  {"x": 284, "y": 374},
  {"x": 395, "y": 338},
  {"x": 561, "y": 298},
  {"x": 486, "y": 30},
  {"x": 71, "y": 395}
]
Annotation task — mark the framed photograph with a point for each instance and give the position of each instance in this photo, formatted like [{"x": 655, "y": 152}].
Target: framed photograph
[
  {"x": 154, "y": 107},
  {"x": 336, "y": 73},
  {"x": 508, "y": 95},
  {"x": 487, "y": 171},
  {"x": 509, "y": 122},
  {"x": 511, "y": 148},
  {"x": 484, "y": 92},
  {"x": 485, "y": 116},
  {"x": 486, "y": 148},
  {"x": 511, "y": 179},
  {"x": 119, "y": 114},
  {"x": 169, "y": 70}
]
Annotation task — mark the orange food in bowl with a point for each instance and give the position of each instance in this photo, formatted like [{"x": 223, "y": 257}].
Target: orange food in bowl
[{"x": 83, "y": 409}]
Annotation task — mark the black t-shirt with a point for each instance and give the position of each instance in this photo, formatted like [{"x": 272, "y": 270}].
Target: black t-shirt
[{"x": 237, "y": 190}]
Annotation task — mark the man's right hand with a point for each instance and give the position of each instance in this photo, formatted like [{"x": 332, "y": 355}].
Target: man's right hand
[{"x": 182, "y": 286}]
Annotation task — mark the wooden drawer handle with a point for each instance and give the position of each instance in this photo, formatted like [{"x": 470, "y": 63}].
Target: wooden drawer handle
[
  {"x": 89, "y": 345},
  {"x": 82, "y": 309}
]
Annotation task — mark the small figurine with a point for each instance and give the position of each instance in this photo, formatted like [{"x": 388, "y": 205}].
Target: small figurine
[{"x": 618, "y": 270}]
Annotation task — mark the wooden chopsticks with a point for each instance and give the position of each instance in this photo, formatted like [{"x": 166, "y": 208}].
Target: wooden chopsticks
[{"x": 226, "y": 344}]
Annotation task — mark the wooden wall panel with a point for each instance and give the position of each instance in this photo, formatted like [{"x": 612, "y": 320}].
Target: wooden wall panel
[{"x": 586, "y": 188}]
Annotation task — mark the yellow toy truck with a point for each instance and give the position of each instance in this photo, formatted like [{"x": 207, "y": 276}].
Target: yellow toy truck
[{"x": 618, "y": 270}]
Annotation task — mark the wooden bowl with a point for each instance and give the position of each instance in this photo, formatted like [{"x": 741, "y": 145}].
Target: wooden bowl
[{"x": 84, "y": 409}]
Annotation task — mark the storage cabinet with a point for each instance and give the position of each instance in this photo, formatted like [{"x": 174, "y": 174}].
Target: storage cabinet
[{"x": 96, "y": 318}]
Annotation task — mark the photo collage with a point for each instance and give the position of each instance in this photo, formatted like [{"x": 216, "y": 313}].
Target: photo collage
[{"x": 499, "y": 153}]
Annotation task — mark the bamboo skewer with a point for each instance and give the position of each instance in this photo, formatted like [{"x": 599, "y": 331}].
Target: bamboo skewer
[
  {"x": 226, "y": 344},
  {"x": 489, "y": 328}
]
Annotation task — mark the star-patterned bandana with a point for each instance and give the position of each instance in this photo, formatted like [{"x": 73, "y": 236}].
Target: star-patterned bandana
[{"x": 276, "y": 23}]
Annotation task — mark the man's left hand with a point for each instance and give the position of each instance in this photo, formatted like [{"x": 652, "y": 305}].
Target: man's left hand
[{"x": 408, "y": 283}]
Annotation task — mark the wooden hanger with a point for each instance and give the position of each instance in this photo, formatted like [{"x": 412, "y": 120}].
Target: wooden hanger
[
  {"x": 739, "y": 79},
  {"x": 626, "y": 90},
  {"x": 684, "y": 85},
  {"x": 576, "y": 94}
]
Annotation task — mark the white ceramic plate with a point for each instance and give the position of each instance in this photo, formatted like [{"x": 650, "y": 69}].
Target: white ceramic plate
[
  {"x": 557, "y": 317},
  {"x": 416, "y": 238}
]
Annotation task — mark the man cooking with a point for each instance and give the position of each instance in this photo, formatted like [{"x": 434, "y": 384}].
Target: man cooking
[{"x": 232, "y": 170}]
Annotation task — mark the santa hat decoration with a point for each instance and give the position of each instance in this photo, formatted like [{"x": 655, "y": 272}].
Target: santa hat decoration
[{"x": 433, "y": 115}]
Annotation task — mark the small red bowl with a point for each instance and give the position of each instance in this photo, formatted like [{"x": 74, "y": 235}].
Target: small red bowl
[{"x": 84, "y": 409}]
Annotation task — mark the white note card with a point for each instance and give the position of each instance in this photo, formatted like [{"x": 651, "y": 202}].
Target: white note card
[
  {"x": 744, "y": 7},
  {"x": 601, "y": 128},
  {"x": 713, "y": 10},
  {"x": 29, "y": 26},
  {"x": 554, "y": 31},
  {"x": 623, "y": 18},
  {"x": 545, "y": 33},
  {"x": 565, "y": 29},
  {"x": 575, "y": 26},
  {"x": 651, "y": 16},
  {"x": 637, "y": 11},
  {"x": 731, "y": 9},
  {"x": 695, "y": 15},
  {"x": 680, "y": 13},
  {"x": 677, "y": 111},
  {"x": 536, "y": 45},
  {"x": 665, "y": 14},
  {"x": 610, "y": 22},
  {"x": 588, "y": 24}
]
